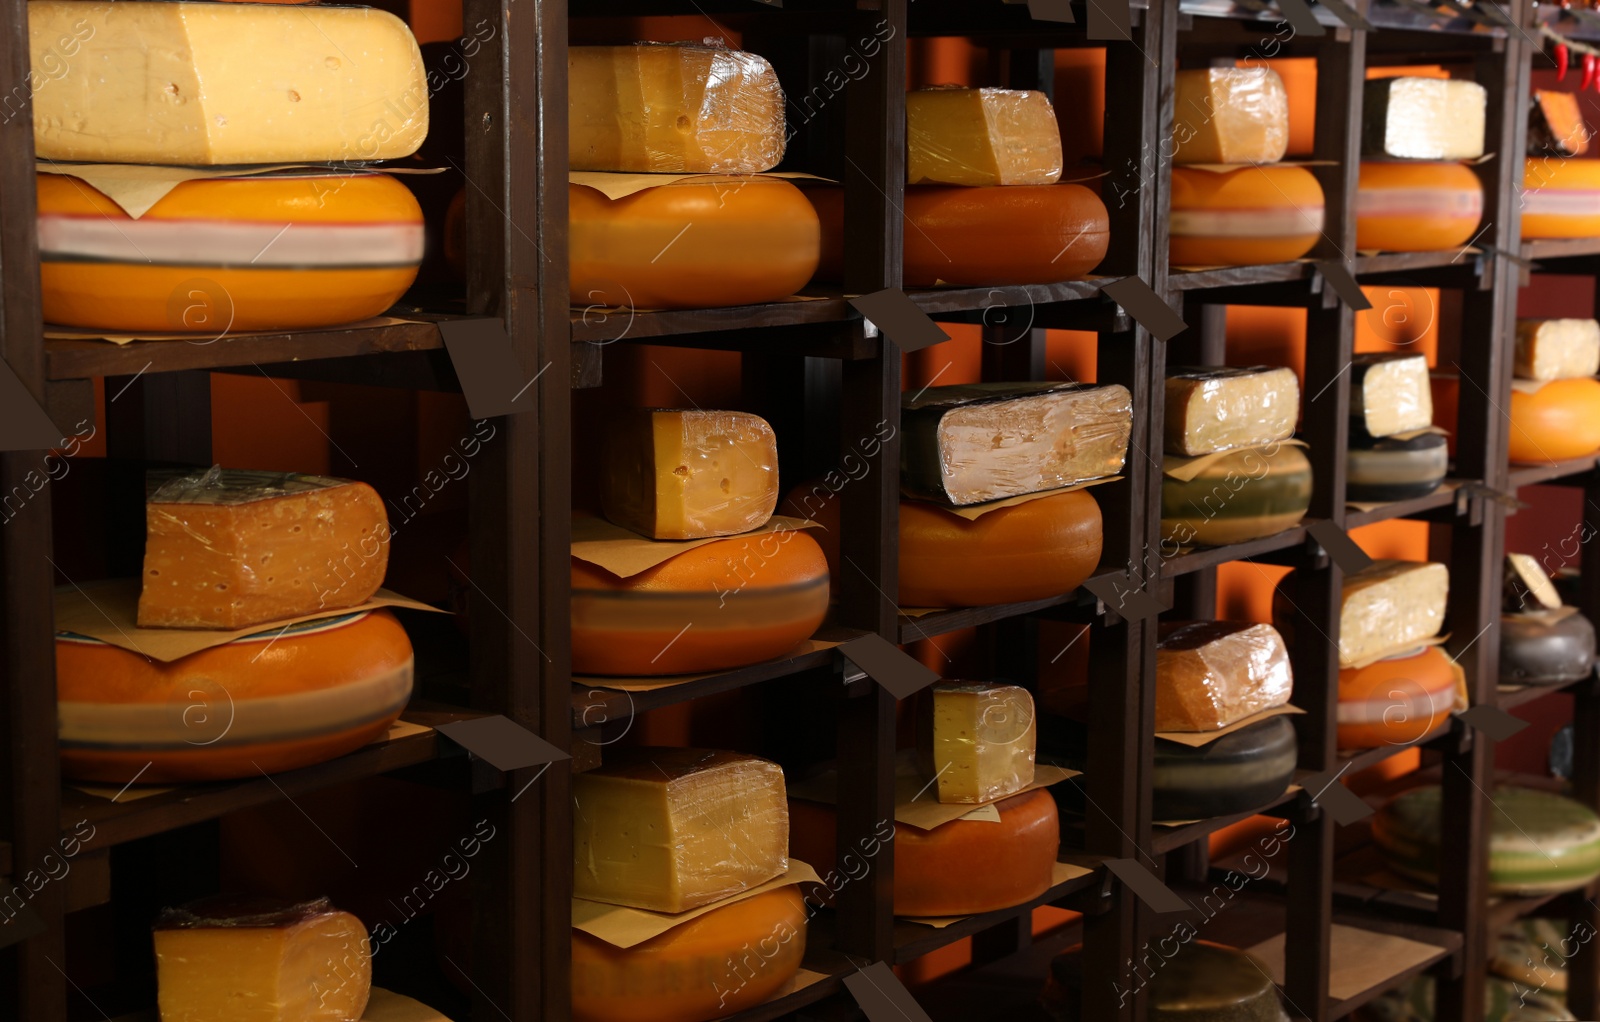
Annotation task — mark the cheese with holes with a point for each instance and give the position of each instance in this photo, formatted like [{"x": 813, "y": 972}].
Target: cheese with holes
[
  {"x": 1423, "y": 119},
  {"x": 1389, "y": 394},
  {"x": 1397, "y": 700},
  {"x": 1557, "y": 349},
  {"x": 1417, "y": 207},
  {"x": 1560, "y": 198},
  {"x": 1236, "y": 496},
  {"x": 1389, "y": 607},
  {"x": 1210, "y": 674},
  {"x": 261, "y": 960},
  {"x": 981, "y": 137},
  {"x": 671, "y": 829},
  {"x": 1219, "y": 409},
  {"x": 1230, "y": 115},
  {"x": 976, "y": 740},
  {"x": 1555, "y": 125},
  {"x": 690, "y": 474},
  {"x": 672, "y": 109},
  {"x": 977, "y": 442},
  {"x": 229, "y": 548},
  {"x": 204, "y": 83},
  {"x": 1554, "y": 421},
  {"x": 1396, "y": 467},
  {"x": 1243, "y": 217},
  {"x": 1527, "y": 587}
]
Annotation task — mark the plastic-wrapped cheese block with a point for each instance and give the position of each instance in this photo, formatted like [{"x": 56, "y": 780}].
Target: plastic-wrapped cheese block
[
  {"x": 1242, "y": 217},
  {"x": 1237, "y": 496},
  {"x": 981, "y": 137},
  {"x": 1559, "y": 420},
  {"x": 1557, "y": 349},
  {"x": 718, "y": 964},
  {"x": 261, "y": 960},
  {"x": 976, "y": 740},
  {"x": 1417, "y": 207},
  {"x": 1539, "y": 842},
  {"x": 1389, "y": 393},
  {"x": 1197, "y": 982},
  {"x": 1397, "y": 700},
  {"x": 1561, "y": 198},
  {"x": 228, "y": 548},
  {"x": 978, "y": 442},
  {"x": 275, "y": 701},
  {"x": 693, "y": 243},
  {"x": 725, "y": 604},
  {"x": 951, "y": 870},
  {"x": 1220, "y": 408},
  {"x": 1390, "y": 607},
  {"x": 669, "y": 830},
  {"x": 1423, "y": 119},
  {"x": 1548, "y": 647},
  {"x": 1210, "y": 674},
  {"x": 672, "y": 109},
  {"x": 203, "y": 83},
  {"x": 1555, "y": 125},
  {"x": 1230, "y": 115},
  {"x": 1395, "y": 468},
  {"x": 1526, "y": 586},
  {"x": 690, "y": 474},
  {"x": 278, "y": 252}
]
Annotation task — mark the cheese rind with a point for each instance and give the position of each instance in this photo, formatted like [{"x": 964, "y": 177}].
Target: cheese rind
[
  {"x": 1557, "y": 421},
  {"x": 1390, "y": 607},
  {"x": 1560, "y": 198},
  {"x": 1210, "y": 674},
  {"x": 1527, "y": 586},
  {"x": 669, "y": 830},
  {"x": 1390, "y": 393},
  {"x": 1397, "y": 700},
  {"x": 690, "y": 474},
  {"x": 1545, "y": 647},
  {"x": 1555, "y": 125},
  {"x": 1195, "y": 982},
  {"x": 977, "y": 740},
  {"x": 1238, "y": 496},
  {"x": 206, "y": 83},
  {"x": 1557, "y": 349},
  {"x": 1221, "y": 409},
  {"x": 1395, "y": 468},
  {"x": 1423, "y": 119},
  {"x": 1417, "y": 207},
  {"x": 1230, "y": 115},
  {"x": 1262, "y": 214},
  {"x": 981, "y": 137}
]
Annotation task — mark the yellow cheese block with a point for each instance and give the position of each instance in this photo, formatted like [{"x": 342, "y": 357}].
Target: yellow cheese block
[
  {"x": 206, "y": 83},
  {"x": 1391, "y": 607},
  {"x": 1230, "y": 115},
  {"x": 976, "y": 740},
  {"x": 981, "y": 137},
  {"x": 690, "y": 474},
  {"x": 672, "y": 109},
  {"x": 1557, "y": 349},
  {"x": 1221, "y": 408}
]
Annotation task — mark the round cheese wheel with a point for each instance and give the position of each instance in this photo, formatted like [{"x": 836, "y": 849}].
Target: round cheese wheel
[
  {"x": 1240, "y": 771},
  {"x": 1503, "y": 1001},
  {"x": 721, "y": 605},
  {"x": 273, "y": 701},
  {"x": 715, "y": 965},
  {"x": 1237, "y": 496},
  {"x": 1243, "y": 217},
  {"x": 696, "y": 243},
  {"x": 1561, "y": 198},
  {"x": 1558, "y": 421},
  {"x": 1417, "y": 207},
  {"x": 1534, "y": 952},
  {"x": 1392, "y": 468},
  {"x": 1189, "y": 981},
  {"x": 1396, "y": 700},
  {"x": 228, "y": 255},
  {"x": 1539, "y": 842},
  {"x": 950, "y": 870},
  {"x": 1545, "y": 649},
  {"x": 973, "y": 237}
]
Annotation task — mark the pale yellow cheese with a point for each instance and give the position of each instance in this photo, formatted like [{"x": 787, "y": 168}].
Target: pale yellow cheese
[
  {"x": 690, "y": 474},
  {"x": 1527, "y": 587},
  {"x": 670, "y": 829},
  {"x": 1222, "y": 409},
  {"x": 1557, "y": 349},
  {"x": 210, "y": 83},
  {"x": 1423, "y": 119},
  {"x": 981, "y": 137},
  {"x": 977, "y": 740},
  {"x": 1230, "y": 115},
  {"x": 1391, "y": 607},
  {"x": 1391, "y": 395}
]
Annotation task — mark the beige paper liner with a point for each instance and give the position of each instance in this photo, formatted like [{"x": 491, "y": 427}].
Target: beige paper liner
[
  {"x": 1361, "y": 958},
  {"x": 1197, "y": 739},
  {"x": 135, "y": 187},
  {"x": 625, "y": 927},
  {"x": 973, "y": 512},
  {"x": 61, "y": 333},
  {"x": 1554, "y": 615},
  {"x": 1187, "y": 469},
  {"x": 1409, "y": 649},
  {"x": 625, "y": 553},
  {"x": 1059, "y": 874},
  {"x": 1373, "y": 505},
  {"x": 651, "y": 684},
  {"x": 620, "y": 186},
  {"x": 1531, "y": 386}
]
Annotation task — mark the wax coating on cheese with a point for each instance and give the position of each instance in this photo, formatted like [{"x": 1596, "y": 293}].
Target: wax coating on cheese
[
  {"x": 1395, "y": 468},
  {"x": 1214, "y": 409},
  {"x": 1560, "y": 198},
  {"x": 1198, "y": 981},
  {"x": 981, "y": 137},
  {"x": 1557, "y": 349},
  {"x": 1423, "y": 119},
  {"x": 1554, "y": 421},
  {"x": 1260, "y": 214},
  {"x": 1230, "y": 115},
  {"x": 1396, "y": 700},
  {"x": 1546, "y": 647},
  {"x": 1389, "y": 607},
  {"x": 976, "y": 740},
  {"x": 1417, "y": 207},
  {"x": 1210, "y": 674},
  {"x": 1235, "y": 496},
  {"x": 690, "y": 474}
]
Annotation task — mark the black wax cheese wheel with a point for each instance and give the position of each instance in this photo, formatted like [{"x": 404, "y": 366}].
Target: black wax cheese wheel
[{"x": 1395, "y": 468}]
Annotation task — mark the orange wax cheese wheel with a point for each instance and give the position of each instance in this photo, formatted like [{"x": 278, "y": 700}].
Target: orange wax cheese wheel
[
  {"x": 1560, "y": 198},
  {"x": 959, "y": 868},
  {"x": 1556, "y": 421},
  {"x": 1417, "y": 207},
  {"x": 1397, "y": 700},
  {"x": 1244, "y": 217},
  {"x": 726, "y": 604},
  {"x": 279, "y": 700},
  {"x": 717, "y": 964},
  {"x": 693, "y": 243},
  {"x": 282, "y": 252}
]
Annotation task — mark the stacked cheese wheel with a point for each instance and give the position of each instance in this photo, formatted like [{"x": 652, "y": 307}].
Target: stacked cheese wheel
[
  {"x": 228, "y": 251},
  {"x": 1560, "y": 194},
  {"x": 1395, "y": 452},
  {"x": 1555, "y": 399},
  {"x": 1195, "y": 981},
  {"x": 1541, "y": 641},
  {"x": 1413, "y": 196}
]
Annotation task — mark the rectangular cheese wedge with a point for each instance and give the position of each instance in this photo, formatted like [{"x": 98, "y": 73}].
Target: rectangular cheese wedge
[
  {"x": 208, "y": 83},
  {"x": 229, "y": 549},
  {"x": 1390, "y": 393},
  {"x": 1557, "y": 349},
  {"x": 1527, "y": 587},
  {"x": 1210, "y": 674},
  {"x": 1230, "y": 115},
  {"x": 388, "y": 1007},
  {"x": 981, "y": 137},
  {"x": 976, "y": 740},
  {"x": 669, "y": 830},
  {"x": 987, "y": 441},
  {"x": 1423, "y": 119},
  {"x": 672, "y": 109},
  {"x": 1211, "y": 409},
  {"x": 690, "y": 474},
  {"x": 261, "y": 960},
  {"x": 1555, "y": 125},
  {"x": 1391, "y": 607}
]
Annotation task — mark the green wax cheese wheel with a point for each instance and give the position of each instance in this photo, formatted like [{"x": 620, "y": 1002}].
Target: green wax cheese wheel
[
  {"x": 1503, "y": 1001},
  {"x": 1545, "y": 647},
  {"x": 1200, "y": 982},
  {"x": 1236, "y": 497},
  {"x": 1396, "y": 469}
]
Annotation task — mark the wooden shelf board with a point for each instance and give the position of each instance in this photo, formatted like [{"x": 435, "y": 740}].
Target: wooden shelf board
[
  {"x": 1165, "y": 839},
  {"x": 1529, "y": 693},
  {"x": 1547, "y": 249},
  {"x": 1239, "y": 276},
  {"x": 940, "y": 622},
  {"x": 1446, "y": 495},
  {"x": 1210, "y": 557},
  {"x": 913, "y": 940},
  {"x": 1530, "y": 475},
  {"x": 1403, "y": 262}
]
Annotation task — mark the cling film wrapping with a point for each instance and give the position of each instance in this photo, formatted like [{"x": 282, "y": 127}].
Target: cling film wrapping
[
  {"x": 981, "y": 137},
  {"x": 1211, "y": 408},
  {"x": 1210, "y": 674},
  {"x": 1390, "y": 394},
  {"x": 1557, "y": 349},
  {"x": 1230, "y": 115},
  {"x": 976, "y": 741},
  {"x": 1423, "y": 119},
  {"x": 673, "y": 109},
  {"x": 1390, "y": 607}
]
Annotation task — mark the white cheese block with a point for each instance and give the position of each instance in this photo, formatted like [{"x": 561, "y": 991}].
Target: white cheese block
[
  {"x": 1223, "y": 409},
  {"x": 1390, "y": 393},
  {"x": 1527, "y": 587},
  {"x": 1423, "y": 119},
  {"x": 1557, "y": 349},
  {"x": 1390, "y": 607},
  {"x": 977, "y": 740}
]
